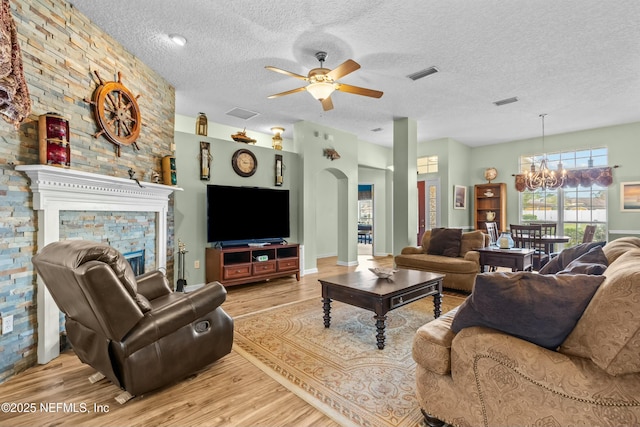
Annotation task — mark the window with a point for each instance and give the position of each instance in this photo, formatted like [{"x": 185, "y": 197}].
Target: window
[
  {"x": 428, "y": 164},
  {"x": 571, "y": 208}
]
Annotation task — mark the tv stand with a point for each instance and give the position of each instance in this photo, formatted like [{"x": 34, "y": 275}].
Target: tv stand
[{"x": 239, "y": 265}]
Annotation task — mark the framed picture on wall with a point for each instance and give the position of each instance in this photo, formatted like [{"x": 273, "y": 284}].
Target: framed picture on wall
[
  {"x": 459, "y": 197},
  {"x": 630, "y": 196}
]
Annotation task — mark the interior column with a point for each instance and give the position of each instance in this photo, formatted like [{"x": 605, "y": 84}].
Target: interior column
[{"x": 405, "y": 194}]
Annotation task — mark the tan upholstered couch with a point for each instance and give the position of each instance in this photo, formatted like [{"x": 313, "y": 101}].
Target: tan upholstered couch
[
  {"x": 482, "y": 377},
  {"x": 459, "y": 272}
]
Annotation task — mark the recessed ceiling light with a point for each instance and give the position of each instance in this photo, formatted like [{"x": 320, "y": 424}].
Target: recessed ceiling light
[{"x": 178, "y": 39}]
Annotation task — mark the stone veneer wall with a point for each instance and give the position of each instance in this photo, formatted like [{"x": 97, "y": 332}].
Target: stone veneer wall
[{"x": 61, "y": 49}]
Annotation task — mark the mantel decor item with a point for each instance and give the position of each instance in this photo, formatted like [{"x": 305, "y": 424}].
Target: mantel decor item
[
  {"x": 279, "y": 169},
  {"x": 201, "y": 124},
  {"x": 116, "y": 113},
  {"x": 205, "y": 161},
  {"x": 277, "y": 137},
  {"x": 490, "y": 174},
  {"x": 169, "y": 170},
  {"x": 241, "y": 136},
  {"x": 53, "y": 135}
]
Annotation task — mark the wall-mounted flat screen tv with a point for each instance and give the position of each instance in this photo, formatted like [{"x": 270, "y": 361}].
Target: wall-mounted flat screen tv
[{"x": 246, "y": 214}]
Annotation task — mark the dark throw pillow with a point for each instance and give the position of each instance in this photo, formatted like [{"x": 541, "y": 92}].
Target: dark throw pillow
[
  {"x": 593, "y": 262},
  {"x": 542, "y": 309},
  {"x": 566, "y": 256},
  {"x": 445, "y": 241}
]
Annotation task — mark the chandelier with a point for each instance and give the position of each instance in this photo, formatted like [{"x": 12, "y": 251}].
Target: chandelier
[{"x": 544, "y": 178}]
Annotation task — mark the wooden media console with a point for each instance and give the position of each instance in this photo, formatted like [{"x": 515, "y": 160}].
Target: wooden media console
[{"x": 239, "y": 265}]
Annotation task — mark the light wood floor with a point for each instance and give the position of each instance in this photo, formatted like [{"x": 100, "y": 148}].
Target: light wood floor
[{"x": 230, "y": 392}]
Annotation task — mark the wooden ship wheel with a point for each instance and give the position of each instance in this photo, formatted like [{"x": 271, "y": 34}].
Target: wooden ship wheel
[{"x": 116, "y": 112}]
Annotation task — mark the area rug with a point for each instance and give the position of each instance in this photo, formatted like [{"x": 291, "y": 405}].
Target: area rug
[{"x": 339, "y": 370}]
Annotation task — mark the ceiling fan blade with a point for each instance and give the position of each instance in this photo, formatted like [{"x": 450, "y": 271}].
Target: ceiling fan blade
[
  {"x": 289, "y": 92},
  {"x": 285, "y": 72},
  {"x": 348, "y": 66},
  {"x": 358, "y": 90},
  {"x": 327, "y": 104}
]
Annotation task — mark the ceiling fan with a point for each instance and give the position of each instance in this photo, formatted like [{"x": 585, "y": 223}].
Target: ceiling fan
[{"x": 323, "y": 81}]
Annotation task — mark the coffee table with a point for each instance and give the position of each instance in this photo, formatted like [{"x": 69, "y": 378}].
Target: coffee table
[{"x": 366, "y": 290}]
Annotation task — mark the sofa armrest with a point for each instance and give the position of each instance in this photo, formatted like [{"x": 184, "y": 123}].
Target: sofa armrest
[
  {"x": 153, "y": 284},
  {"x": 488, "y": 361},
  {"x": 432, "y": 344},
  {"x": 179, "y": 310},
  {"x": 473, "y": 256},
  {"x": 412, "y": 250}
]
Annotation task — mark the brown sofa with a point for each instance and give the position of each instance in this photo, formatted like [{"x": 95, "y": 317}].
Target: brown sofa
[
  {"x": 133, "y": 330},
  {"x": 460, "y": 272},
  {"x": 484, "y": 377}
]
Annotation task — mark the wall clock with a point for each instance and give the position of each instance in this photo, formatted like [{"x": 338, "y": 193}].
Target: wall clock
[
  {"x": 244, "y": 162},
  {"x": 116, "y": 113}
]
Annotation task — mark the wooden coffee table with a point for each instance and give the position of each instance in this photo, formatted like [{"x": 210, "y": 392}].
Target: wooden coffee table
[{"x": 365, "y": 290}]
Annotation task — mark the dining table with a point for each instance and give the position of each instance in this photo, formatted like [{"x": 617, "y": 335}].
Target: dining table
[{"x": 550, "y": 240}]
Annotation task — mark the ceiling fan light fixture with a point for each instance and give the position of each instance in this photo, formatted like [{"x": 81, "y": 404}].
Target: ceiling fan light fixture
[{"x": 321, "y": 90}]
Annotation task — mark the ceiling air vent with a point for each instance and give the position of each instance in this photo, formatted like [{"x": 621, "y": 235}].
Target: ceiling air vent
[
  {"x": 506, "y": 101},
  {"x": 376, "y": 130},
  {"x": 423, "y": 73},
  {"x": 241, "y": 113}
]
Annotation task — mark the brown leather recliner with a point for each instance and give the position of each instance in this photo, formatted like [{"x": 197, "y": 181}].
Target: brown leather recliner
[{"x": 134, "y": 330}]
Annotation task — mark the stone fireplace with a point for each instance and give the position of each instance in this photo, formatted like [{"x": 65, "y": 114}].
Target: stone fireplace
[{"x": 58, "y": 189}]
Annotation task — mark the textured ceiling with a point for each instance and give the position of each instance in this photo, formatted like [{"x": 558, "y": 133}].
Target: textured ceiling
[{"x": 576, "y": 60}]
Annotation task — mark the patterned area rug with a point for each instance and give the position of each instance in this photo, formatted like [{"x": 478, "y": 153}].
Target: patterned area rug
[{"x": 339, "y": 370}]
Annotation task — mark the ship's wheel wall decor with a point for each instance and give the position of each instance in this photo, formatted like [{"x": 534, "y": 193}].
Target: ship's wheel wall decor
[{"x": 116, "y": 112}]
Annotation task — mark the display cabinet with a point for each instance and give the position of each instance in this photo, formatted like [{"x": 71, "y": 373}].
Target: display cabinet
[{"x": 490, "y": 205}]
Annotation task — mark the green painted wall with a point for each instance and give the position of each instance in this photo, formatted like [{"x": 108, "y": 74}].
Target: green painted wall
[
  {"x": 310, "y": 140},
  {"x": 623, "y": 143},
  {"x": 190, "y": 204},
  {"x": 453, "y": 169}
]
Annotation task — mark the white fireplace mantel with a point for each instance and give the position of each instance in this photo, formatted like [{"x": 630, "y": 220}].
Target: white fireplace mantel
[{"x": 57, "y": 189}]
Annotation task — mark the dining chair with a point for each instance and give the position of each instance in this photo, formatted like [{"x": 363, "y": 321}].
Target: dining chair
[
  {"x": 548, "y": 228},
  {"x": 530, "y": 237},
  {"x": 492, "y": 231},
  {"x": 589, "y": 233}
]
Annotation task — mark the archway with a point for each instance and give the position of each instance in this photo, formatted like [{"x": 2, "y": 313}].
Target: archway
[{"x": 335, "y": 233}]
